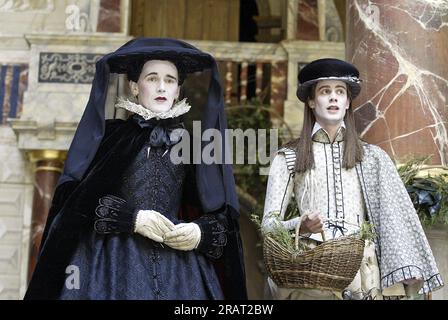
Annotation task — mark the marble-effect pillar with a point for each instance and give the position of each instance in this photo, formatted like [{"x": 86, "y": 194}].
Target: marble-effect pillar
[
  {"x": 307, "y": 20},
  {"x": 13, "y": 83},
  {"x": 279, "y": 75},
  {"x": 48, "y": 166},
  {"x": 400, "y": 49},
  {"x": 109, "y": 18}
]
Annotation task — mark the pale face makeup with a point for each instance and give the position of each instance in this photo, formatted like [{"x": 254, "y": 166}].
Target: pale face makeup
[
  {"x": 330, "y": 103},
  {"x": 158, "y": 86}
]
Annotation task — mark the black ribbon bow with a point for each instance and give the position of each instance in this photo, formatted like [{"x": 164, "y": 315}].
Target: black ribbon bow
[
  {"x": 162, "y": 130},
  {"x": 336, "y": 227}
]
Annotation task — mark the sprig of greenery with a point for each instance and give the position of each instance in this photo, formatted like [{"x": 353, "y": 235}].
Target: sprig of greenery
[
  {"x": 284, "y": 237},
  {"x": 367, "y": 231},
  {"x": 256, "y": 220},
  {"x": 409, "y": 170}
]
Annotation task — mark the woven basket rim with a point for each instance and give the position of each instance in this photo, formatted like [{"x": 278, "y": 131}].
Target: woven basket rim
[{"x": 294, "y": 278}]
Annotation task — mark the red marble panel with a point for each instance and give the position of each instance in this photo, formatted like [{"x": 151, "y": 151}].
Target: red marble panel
[
  {"x": 109, "y": 19},
  {"x": 401, "y": 53},
  {"x": 380, "y": 132},
  {"x": 243, "y": 82},
  {"x": 258, "y": 78},
  {"x": 23, "y": 85},
  {"x": 307, "y": 20},
  {"x": 278, "y": 86},
  {"x": 6, "y": 107},
  {"x": 44, "y": 186},
  {"x": 13, "y": 83},
  {"x": 421, "y": 147},
  {"x": 228, "y": 83}
]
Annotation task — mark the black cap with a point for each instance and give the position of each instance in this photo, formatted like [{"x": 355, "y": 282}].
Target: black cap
[
  {"x": 328, "y": 69},
  {"x": 131, "y": 57}
]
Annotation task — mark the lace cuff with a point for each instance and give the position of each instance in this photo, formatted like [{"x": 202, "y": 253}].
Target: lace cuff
[
  {"x": 213, "y": 235},
  {"x": 113, "y": 215}
]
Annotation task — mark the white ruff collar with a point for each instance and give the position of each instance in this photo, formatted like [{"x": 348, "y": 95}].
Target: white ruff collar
[{"x": 178, "y": 109}]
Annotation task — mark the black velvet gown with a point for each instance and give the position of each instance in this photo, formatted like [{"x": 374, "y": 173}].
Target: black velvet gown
[{"x": 122, "y": 264}]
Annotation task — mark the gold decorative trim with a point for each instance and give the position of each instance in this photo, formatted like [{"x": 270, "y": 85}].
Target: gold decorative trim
[
  {"x": 48, "y": 168},
  {"x": 38, "y": 155},
  {"x": 47, "y": 155}
]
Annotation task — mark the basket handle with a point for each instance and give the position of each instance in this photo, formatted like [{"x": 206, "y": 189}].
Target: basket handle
[{"x": 296, "y": 239}]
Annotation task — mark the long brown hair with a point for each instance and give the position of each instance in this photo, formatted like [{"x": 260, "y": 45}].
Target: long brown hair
[{"x": 353, "y": 151}]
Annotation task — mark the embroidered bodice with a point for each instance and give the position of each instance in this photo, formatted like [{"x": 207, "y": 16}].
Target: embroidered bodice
[
  {"x": 153, "y": 182},
  {"x": 328, "y": 188}
]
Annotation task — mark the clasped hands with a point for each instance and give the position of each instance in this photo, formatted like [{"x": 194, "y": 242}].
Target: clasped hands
[{"x": 155, "y": 226}]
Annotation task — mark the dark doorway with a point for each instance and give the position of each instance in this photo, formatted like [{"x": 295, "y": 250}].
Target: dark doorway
[
  {"x": 248, "y": 31},
  {"x": 248, "y": 26}
]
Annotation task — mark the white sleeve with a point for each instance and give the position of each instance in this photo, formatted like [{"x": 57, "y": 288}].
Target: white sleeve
[{"x": 278, "y": 195}]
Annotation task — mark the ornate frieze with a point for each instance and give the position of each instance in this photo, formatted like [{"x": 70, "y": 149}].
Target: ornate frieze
[{"x": 75, "y": 68}]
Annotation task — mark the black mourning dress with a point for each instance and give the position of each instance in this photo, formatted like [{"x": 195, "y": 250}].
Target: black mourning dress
[
  {"x": 113, "y": 261},
  {"x": 108, "y": 160}
]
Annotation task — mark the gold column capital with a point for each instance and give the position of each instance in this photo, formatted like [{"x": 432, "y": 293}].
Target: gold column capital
[
  {"x": 53, "y": 157},
  {"x": 38, "y": 155}
]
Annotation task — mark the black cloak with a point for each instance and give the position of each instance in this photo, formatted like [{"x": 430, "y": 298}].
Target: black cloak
[{"x": 98, "y": 153}]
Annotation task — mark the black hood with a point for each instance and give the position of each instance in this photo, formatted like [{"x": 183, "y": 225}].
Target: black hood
[{"x": 216, "y": 185}]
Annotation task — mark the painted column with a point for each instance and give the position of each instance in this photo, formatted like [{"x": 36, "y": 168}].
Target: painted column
[
  {"x": 308, "y": 20},
  {"x": 279, "y": 72},
  {"x": 109, "y": 17},
  {"x": 400, "y": 50},
  {"x": 48, "y": 166}
]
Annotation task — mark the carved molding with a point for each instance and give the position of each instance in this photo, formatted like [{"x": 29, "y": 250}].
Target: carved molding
[
  {"x": 238, "y": 52},
  {"x": 306, "y": 51},
  {"x": 31, "y": 136},
  {"x": 67, "y": 67}
]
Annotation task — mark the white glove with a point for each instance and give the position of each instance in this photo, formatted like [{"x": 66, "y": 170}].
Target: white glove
[
  {"x": 153, "y": 225},
  {"x": 185, "y": 236}
]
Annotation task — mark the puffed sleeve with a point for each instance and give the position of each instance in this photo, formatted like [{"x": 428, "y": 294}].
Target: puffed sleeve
[{"x": 278, "y": 194}]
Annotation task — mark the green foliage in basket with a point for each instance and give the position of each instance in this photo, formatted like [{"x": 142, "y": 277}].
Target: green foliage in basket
[
  {"x": 281, "y": 235},
  {"x": 367, "y": 232},
  {"x": 285, "y": 237}
]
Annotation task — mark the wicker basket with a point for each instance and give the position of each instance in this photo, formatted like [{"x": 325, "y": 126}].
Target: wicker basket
[{"x": 331, "y": 265}]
